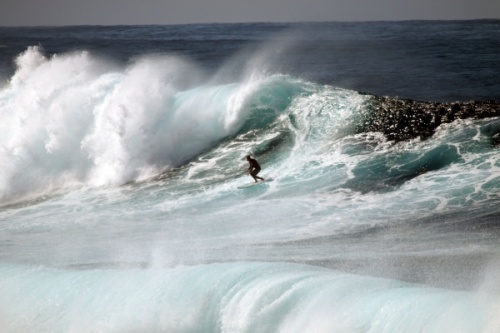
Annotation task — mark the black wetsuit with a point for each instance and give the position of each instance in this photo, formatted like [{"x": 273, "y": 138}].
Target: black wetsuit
[{"x": 254, "y": 168}]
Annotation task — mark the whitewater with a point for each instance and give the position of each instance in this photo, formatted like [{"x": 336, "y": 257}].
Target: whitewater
[{"x": 119, "y": 202}]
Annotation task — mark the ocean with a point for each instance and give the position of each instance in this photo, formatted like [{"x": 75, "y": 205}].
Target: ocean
[{"x": 122, "y": 150}]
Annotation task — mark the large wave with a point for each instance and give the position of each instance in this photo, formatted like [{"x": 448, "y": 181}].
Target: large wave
[
  {"x": 232, "y": 297},
  {"x": 74, "y": 119}
]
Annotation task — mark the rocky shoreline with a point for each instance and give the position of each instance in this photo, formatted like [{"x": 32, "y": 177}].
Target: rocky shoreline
[{"x": 405, "y": 119}]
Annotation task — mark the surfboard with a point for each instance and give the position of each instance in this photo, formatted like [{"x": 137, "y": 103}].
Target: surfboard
[{"x": 252, "y": 184}]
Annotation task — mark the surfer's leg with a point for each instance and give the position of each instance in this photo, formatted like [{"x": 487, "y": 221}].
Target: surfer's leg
[
  {"x": 254, "y": 175},
  {"x": 257, "y": 174}
]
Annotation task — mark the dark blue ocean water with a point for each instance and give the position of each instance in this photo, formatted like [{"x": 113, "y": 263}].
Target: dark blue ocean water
[
  {"x": 423, "y": 60},
  {"x": 122, "y": 157}
]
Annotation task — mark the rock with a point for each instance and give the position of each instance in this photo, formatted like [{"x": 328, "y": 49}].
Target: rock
[{"x": 404, "y": 119}]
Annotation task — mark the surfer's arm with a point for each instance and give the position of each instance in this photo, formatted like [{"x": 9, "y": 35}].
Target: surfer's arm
[{"x": 250, "y": 168}]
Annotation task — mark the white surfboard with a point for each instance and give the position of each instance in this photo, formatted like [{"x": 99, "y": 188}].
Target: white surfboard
[{"x": 252, "y": 184}]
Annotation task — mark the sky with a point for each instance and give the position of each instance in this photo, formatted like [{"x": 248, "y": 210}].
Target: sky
[{"x": 130, "y": 12}]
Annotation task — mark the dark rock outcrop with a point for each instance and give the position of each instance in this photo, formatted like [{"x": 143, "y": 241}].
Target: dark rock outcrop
[{"x": 404, "y": 119}]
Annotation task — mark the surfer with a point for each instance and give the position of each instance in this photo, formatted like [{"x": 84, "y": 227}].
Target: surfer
[{"x": 254, "y": 168}]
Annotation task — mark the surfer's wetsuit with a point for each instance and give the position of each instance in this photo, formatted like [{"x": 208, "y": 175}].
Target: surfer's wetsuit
[{"x": 254, "y": 168}]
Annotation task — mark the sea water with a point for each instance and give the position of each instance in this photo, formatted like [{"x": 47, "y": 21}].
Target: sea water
[{"x": 122, "y": 150}]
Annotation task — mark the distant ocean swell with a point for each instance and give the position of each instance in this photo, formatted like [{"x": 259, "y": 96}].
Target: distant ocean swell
[{"x": 237, "y": 297}]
